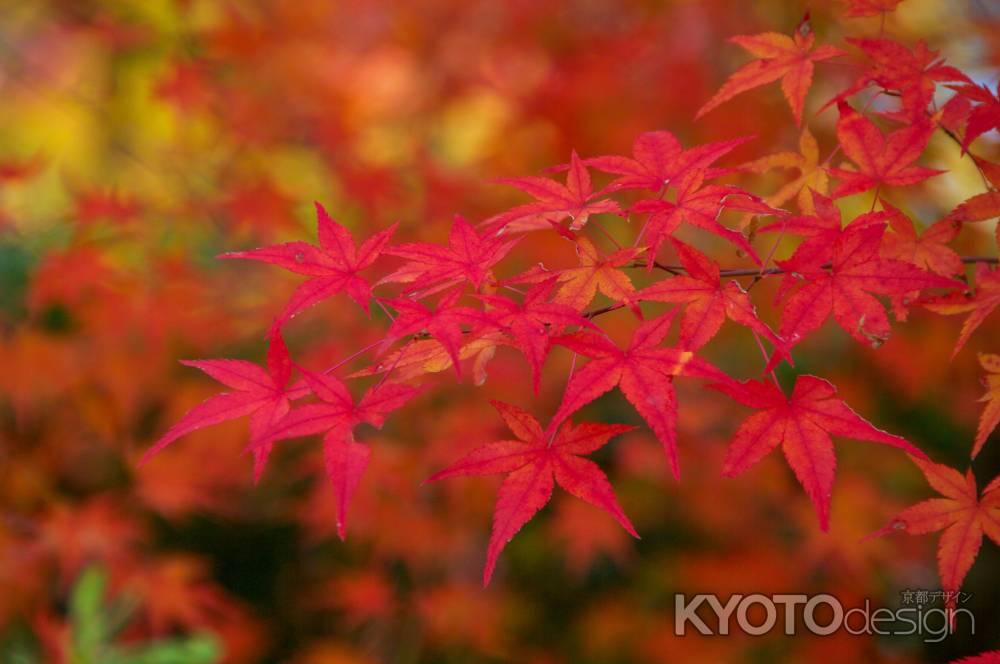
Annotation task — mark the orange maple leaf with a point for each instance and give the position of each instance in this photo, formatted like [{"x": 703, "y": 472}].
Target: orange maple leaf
[
  {"x": 789, "y": 58},
  {"x": 422, "y": 356},
  {"x": 961, "y": 514},
  {"x": 811, "y": 176},
  {"x": 579, "y": 285}
]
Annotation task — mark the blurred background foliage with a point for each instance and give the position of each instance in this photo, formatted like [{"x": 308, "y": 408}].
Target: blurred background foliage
[{"x": 140, "y": 138}]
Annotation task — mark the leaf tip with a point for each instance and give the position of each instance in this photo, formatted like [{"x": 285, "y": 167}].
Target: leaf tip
[
  {"x": 488, "y": 572},
  {"x": 890, "y": 527}
]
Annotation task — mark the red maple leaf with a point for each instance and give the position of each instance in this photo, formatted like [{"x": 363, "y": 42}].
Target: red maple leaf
[
  {"x": 980, "y": 207},
  {"x": 444, "y": 322},
  {"x": 643, "y": 372},
  {"x": 856, "y": 271},
  {"x": 929, "y": 250},
  {"x": 880, "y": 160},
  {"x": 336, "y": 416},
  {"x": 575, "y": 200},
  {"x": 911, "y": 75},
  {"x": 978, "y": 305},
  {"x": 333, "y": 266},
  {"x": 984, "y": 116},
  {"x": 536, "y": 462},
  {"x": 468, "y": 257},
  {"x": 260, "y": 394},
  {"x": 802, "y": 424},
  {"x": 699, "y": 205},
  {"x": 821, "y": 230},
  {"x": 533, "y": 322},
  {"x": 659, "y": 159},
  {"x": 789, "y": 58},
  {"x": 962, "y": 514},
  {"x": 708, "y": 301}
]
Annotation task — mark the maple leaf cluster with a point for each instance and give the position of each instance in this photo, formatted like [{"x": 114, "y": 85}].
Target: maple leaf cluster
[{"x": 446, "y": 304}]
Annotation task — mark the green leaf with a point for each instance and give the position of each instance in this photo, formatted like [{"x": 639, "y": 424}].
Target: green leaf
[
  {"x": 200, "y": 649},
  {"x": 90, "y": 628}
]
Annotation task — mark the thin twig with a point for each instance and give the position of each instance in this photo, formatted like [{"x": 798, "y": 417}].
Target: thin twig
[{"x": 752, "y": 271}]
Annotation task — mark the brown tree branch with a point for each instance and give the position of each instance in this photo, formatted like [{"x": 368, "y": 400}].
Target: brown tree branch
[{"x": 756, "y": 272}]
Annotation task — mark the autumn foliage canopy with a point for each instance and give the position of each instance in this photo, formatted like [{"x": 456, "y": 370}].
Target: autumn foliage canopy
[
  {"x": 710, "y": 295},
  {"x": 454, "y": 301}
]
